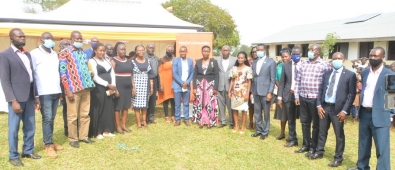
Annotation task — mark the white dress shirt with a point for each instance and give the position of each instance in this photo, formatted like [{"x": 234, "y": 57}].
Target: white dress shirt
[
  {"x": 259, "y": 64},
  {"x": 293, "y": 73},
  {"x": 225, "y": 64},
  {"x": 370, "y": 86},
  {"x": 25, "y": 61},
  {"x": 332, "y": 99},
  {"x": 46, "y": 71},
  {"x": 185, "y": 69}
]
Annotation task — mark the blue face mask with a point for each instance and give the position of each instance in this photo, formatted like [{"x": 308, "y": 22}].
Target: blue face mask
[
  {"x": 296, "y": 58},
  {"x": 77, "y": 44},
  {"x": 310, "y": 55},
  {"x": 93, "y": 44},
  {"x": 49, "y": 43},
  {"x": 337, "y": 64},
  {"x": 260, "y": 54}
]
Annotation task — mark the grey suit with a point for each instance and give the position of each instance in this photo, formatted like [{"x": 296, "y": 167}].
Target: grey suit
[
  {"x": 262, "y": 85},
  {"x": 223, "y": 87}
]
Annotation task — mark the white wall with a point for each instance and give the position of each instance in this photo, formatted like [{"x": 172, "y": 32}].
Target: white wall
[
  {"x": 383, "y": 44},
  {"x": 353, "y": 50}
]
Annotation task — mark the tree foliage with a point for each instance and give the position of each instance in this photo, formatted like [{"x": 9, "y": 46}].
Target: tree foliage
[
  {"x": 329, "y": 43},
  {"x": 213, "y": 18},
  {"x": 46, "y": 5},
  {"x": 244, "y": 48}
]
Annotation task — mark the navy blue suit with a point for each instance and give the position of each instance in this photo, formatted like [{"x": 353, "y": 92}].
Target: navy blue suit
[
  {"x": 177, "y": 87},
  {"x": 16, "y": 85},
  {"x": 374, "y": 124}
]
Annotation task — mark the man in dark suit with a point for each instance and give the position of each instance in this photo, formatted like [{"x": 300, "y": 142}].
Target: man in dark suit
[
  {"x": 17, "y": 79},
  {"x": 285, "y": 93},
  {"x": 374, "y": 118},
  {"x": 89, "y": 51},
  {"x": 264, "y": 71},
  {"x": 335, "y": 99}
]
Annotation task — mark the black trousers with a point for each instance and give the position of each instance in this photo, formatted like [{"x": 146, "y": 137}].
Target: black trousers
[
  {"x": 308, "y": 114},
  {"x": 166, "y": 107},
  {"x": 152, "y": 102},
  {"x": 338, "y": 127},
  {"x": 64, "y": 104},
  {"x": 291, "y": 110}
]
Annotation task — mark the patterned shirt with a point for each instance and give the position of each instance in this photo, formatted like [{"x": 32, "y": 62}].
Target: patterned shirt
[
  {"x": 74, "y": 72},
  {"x": 309, "y": 78}
]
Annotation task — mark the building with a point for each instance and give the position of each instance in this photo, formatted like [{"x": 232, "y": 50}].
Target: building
[{"x": 357, "y": 36}]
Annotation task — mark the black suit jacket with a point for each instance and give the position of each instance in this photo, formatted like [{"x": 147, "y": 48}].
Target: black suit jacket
[
  {"x": 286, "y": 83},
  {"x": 212, "y": 73},
  {"x": 346, "y": 90},
  {"x": 14, "y": 77}
]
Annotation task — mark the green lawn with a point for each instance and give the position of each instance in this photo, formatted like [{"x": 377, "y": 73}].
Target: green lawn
[{"x": 163, "y": 146}]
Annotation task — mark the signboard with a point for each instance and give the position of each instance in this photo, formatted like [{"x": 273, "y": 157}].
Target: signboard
[{"x": 194, "y": 43}]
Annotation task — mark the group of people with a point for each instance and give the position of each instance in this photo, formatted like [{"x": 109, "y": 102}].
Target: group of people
[{"x": 99, "y": 85}]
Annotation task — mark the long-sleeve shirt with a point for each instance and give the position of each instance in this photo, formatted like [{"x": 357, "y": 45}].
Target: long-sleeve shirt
[
  {"x": 74, "y": 72},
  {"x": 309, "y": 78}
]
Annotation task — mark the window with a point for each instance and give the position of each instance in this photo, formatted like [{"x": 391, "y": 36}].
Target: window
[
  {"x": 391, "y": 50},
  {"x": 278, "y": 49},
  {"x": 340, "y": 47},
  {"x": 364, "y": 49},
  {"x": 305, "y": 49}
]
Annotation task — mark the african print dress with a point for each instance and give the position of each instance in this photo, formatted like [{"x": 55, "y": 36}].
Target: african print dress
[
  {"x": 240, "y": 87},
  {"x": 142, "y": 73}
]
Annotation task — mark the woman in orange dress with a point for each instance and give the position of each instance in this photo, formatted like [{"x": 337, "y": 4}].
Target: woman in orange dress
[{"x": 166, "y": 94}]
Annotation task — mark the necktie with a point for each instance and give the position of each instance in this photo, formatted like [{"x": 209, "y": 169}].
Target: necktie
[{"x": 332, "y": 84}]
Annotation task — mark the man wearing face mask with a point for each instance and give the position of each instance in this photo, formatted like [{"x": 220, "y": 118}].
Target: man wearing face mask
[
  {"x": 264, "y": 71},
  {"x": 77, "y": 83},
  {"x": 20, "y": 90},
  {"x": 154, "y": 60},
  {"x": 225, "y": 63},
  {"x": 46, "y": 71},
  {"x": 335, "y": 98},
  {"x": 308, "y": 81},
  {"x": 286, "y": 96},
  {"x": 109, "y": 49},
  {"x": 374, "y": 119},
  {"x": 89, "y": 51}
]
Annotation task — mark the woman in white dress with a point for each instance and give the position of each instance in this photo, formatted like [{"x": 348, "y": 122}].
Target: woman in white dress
[{"x": 240, "y": 85}]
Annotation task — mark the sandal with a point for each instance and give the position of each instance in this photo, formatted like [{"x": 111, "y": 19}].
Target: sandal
[
  {"x": 167, "y": 119},
  {"x": 138, "y": 124},
  {"x": 145, "y": 123}
]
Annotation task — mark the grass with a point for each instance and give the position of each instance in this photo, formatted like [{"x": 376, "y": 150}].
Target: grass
[{"x": 163, "y": 146}]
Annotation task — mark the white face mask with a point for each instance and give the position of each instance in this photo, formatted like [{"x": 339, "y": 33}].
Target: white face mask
[{"x": 260, "y": 54}]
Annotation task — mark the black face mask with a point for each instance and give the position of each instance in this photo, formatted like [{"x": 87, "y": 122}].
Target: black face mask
[
  {"x": 375, "y": 63},
  {"x": 169, "y": 54},
  {"x": 17, "y": 44}
]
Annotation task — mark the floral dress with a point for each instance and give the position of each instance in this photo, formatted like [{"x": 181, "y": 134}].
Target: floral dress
[{"x": 240, "y": 87}]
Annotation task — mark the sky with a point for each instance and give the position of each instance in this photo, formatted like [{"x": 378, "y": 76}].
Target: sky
[{"x": 257, "y": 19}]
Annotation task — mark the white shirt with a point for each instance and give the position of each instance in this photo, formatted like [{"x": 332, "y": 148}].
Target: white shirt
[
  {"x": 106, "y": 64},
  {"x": 46, "y": 71},
  {"x": 259, "y": 64},
  {"x": 293, "y": 73},
  {"x": 332, "y": 99},
  {"x": 185, "y": 69},
  {"x": 25, "y": 61},
  {"x": 225, "y": 64},
  {"x": 370, "y": 86}
]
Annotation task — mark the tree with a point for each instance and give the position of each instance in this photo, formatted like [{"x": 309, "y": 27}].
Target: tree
[
  {"x": 46, "y": 5},
  {"x": 213, "y": 18},
  {"x": 244, "y": 48},
  {"x": 328, "y": 44}
]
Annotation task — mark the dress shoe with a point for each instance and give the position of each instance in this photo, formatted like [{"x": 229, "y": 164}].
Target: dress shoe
[
  {"x": 291, "y": 144},
  {"x": 335, "y": 164},
  {"x": 280, "y": 137},
  {"x": 187, "y": 123},
  {"x": 32, "y": 156},
  {"x": 308, "y": 154},
  {"x": 16, "y": 162},
  {"x": 231, "y": 126},
  {"x": 303, "y": 149},
  {"x": 316, "y": 156},
  {"x": 151, "y": 122},
  {"x": 263, "y": 137},
  {"x": 177, "y": 123},
  {"x": 256, "y": 135},
  {"x": 353, "y": 169},
  {"x": 87, "y": 140},
  {"x": 75, "y": 144},
  {"x": 222, "y": 125},
  {"x": 57, "y": 147}
]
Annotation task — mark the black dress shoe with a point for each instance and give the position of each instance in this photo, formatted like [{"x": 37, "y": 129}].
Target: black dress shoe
[
  {"x": 222, "y": 125},
  {"x": 335, "y": 163},
  {"x": 16, "y": 162},
  {"x": 231, "y": 126},
  {"x": 32, "y": 156},
  {"x": 316, "y": 156},
  {"x": 87, "y": 140},
  {"x": 256, "y": 135},
  {"x": 308, "y": 154},
  {"x": 75, "y": 144},
  {"x": 263, "y": 137},
  {"x": 291, "y": 144},
  {"x": 303, "y": 149}
]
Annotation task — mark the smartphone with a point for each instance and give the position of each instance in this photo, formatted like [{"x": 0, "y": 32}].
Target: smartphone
[
  {"x": 389, "y": 101},
  {"x": 390, "y": 82}
]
